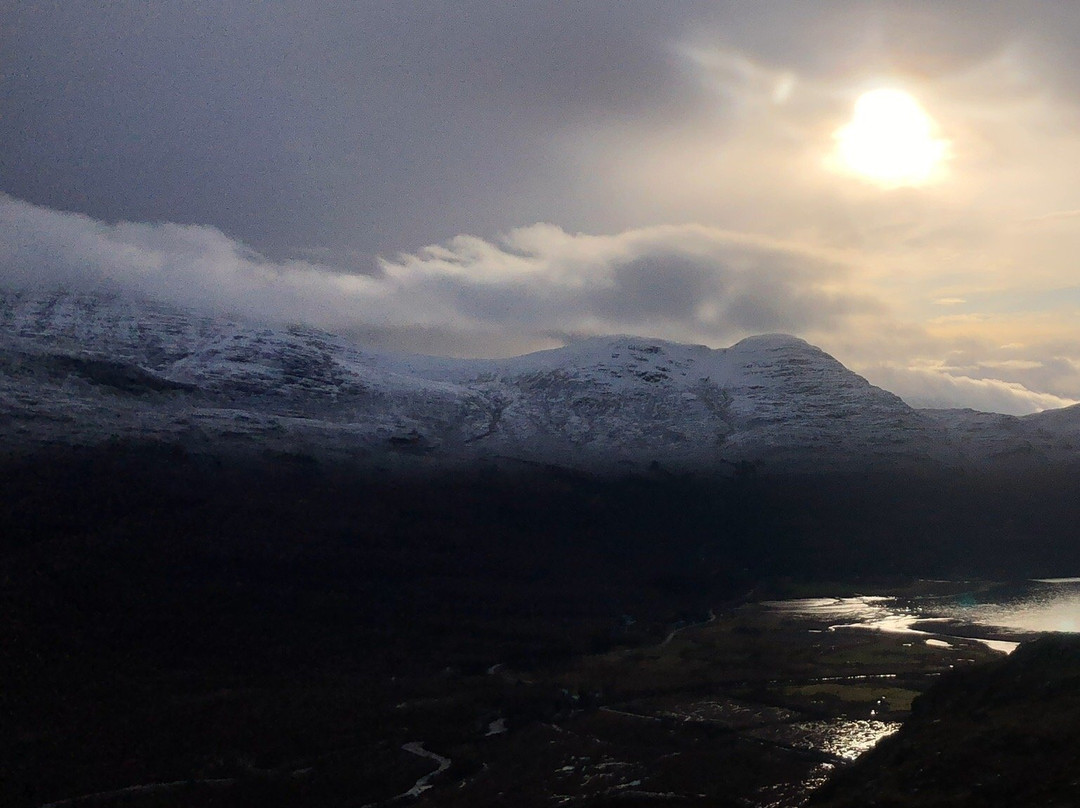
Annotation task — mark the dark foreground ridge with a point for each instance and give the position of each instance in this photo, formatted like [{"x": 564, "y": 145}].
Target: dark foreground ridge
[
  {"x": 285, "y": 632},
  {"x": 1002, "y": 734}
]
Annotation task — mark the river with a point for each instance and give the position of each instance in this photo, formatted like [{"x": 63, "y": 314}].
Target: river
[{"x": 999, "y": 615}]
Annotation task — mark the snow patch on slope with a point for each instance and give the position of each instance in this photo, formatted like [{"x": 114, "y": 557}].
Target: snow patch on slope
[{"x": 80, "y": 368}]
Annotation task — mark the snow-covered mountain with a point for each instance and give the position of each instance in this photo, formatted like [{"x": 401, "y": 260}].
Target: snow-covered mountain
[{"x": 82, "y": 369}]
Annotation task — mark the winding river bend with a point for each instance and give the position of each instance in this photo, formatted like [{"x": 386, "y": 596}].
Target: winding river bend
[{"x": 424, "y": 783}]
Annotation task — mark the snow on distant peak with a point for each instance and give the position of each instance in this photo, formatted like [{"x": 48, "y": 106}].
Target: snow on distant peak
[
  {"x": 85, "y": 368},
  {"x": 773, "y": 342}
]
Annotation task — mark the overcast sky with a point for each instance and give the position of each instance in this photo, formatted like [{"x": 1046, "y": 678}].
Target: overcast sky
[{"x": 487, "y": 178}]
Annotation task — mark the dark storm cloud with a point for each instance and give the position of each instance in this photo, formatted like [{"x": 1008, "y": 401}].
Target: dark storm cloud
[
  {"x": 733, "y": 289},
  {"x": 377, "y": 126},
  {"x": 371, "y": 125},
  {"x": 657, "y": 287},
  {"x": 682, "y": 282}
]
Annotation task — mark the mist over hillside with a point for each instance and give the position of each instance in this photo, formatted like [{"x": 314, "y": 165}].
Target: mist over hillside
[{"x": 84, "y": 369}]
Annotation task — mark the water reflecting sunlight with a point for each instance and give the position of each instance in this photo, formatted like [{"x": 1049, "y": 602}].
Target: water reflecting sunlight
[
  {"x": 997, "y": 615},
  {"x": 1042, "y": 606}
]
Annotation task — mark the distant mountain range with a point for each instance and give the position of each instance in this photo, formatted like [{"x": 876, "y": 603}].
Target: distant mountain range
[{"x": 85, "y": 369}]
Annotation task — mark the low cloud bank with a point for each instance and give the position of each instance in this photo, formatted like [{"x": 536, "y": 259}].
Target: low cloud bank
[
  {"x": 684, "y": 282},
  {"x": 933, "y": 388}
]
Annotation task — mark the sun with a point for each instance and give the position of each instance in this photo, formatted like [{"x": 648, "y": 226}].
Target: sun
[{"x": 891, "y": 141}]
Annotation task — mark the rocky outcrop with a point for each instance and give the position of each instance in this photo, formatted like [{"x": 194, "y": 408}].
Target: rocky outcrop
[{"x": 1003, "y": 734}]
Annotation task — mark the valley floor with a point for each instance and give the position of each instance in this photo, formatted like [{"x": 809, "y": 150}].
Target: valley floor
[
  {"x": 754, "y": 707},
  {"x": 179, "y": 631}
]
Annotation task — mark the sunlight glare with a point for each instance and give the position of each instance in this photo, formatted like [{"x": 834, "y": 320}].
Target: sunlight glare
[{"x": 891, "y": 141}]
